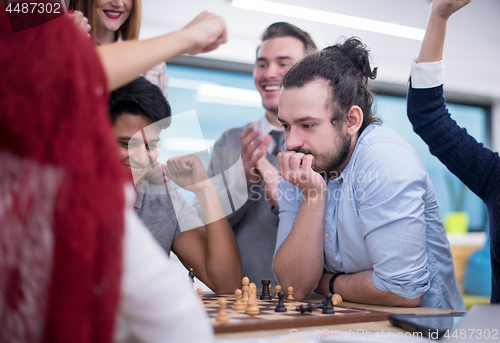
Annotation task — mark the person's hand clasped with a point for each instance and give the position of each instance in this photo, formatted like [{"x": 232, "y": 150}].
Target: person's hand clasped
[
  {"x": 207, "y": 31},
  {"x": 253, "y": 148},
  {"x": 296, "y": 168},
  {"x": 188, "y": 172}
]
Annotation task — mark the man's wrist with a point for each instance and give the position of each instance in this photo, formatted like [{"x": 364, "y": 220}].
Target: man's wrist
[
  {"x": 206, "y": 189},
  {"x": 312, "y": 195}
]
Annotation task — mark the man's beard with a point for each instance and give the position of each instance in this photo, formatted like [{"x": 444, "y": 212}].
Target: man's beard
[
  {"x": 336, "y": 162},
  {"x": 333, "y": 162}
]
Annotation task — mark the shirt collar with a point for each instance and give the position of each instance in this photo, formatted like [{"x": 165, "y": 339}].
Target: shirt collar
[{"x": 265, "y": 126}]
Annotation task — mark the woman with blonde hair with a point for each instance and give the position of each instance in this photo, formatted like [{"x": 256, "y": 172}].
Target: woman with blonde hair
[{"x": 118, "y": 20}]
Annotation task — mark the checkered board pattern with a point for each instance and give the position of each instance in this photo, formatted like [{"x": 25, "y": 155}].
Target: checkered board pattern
[{"x": 270, "y": 320}]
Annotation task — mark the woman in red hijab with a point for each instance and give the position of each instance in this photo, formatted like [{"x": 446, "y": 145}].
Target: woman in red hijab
[{"x": 68, "y": 267}]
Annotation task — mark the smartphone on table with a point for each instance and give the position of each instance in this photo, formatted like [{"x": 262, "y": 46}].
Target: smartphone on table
[{"x": 433, "y": 326}]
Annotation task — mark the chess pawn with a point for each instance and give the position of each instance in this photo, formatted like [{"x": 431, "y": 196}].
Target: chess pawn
[
  {"x": 290, "y": 293},
  {"x": 277, "y": 289},
  {"x": 271, "y": 289},
  {"x": 281, "y": 305},
  {"x": 222, "y": 317},
  {"x": 337, "y": 299},
  {"x": 328, "y": 305},
  {"x": 252, "y": 308},
  {"x": 200, "y": 294},
  {"x": 238, "y": 305},
  {"x": 244, "y": 288}
]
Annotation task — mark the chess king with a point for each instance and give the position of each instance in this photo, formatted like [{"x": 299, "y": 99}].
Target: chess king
[{"x": 358, "y": 214}]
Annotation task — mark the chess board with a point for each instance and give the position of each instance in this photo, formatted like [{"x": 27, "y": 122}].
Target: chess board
[{"x": 270, "y": 320}]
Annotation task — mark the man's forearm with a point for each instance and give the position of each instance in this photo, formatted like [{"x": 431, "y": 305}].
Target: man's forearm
[
  {"x": 223, "y": 259},
  {"x": 299, "y": 261},
  {"x": 359, "y": 288}
]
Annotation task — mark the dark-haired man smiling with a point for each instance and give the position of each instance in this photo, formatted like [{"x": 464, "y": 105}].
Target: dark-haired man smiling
[{"x": 140, "y": 112}]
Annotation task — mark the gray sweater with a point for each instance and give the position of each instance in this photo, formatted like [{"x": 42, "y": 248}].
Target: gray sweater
[{"x": 165, "y": 212}]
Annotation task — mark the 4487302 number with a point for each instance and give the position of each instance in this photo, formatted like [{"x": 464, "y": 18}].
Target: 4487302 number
[
  {"x": 34, "y": 7},
  {"x": 472, "y": 334}
]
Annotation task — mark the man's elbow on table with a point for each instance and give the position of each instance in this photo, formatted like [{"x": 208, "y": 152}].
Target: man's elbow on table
[{"x": 404, "y": 302}]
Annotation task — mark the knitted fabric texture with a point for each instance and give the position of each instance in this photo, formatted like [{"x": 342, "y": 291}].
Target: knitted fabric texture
[{"x": 475, "y": 165}]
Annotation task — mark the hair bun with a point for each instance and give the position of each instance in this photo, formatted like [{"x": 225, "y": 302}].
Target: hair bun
[{"x": 357, "y": 53}]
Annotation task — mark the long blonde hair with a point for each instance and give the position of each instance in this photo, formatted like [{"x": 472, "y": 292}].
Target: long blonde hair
[{"x": 129, "y": 30}]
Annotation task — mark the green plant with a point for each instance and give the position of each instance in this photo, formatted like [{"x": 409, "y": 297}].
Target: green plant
[{"x": 457, "y": 198}]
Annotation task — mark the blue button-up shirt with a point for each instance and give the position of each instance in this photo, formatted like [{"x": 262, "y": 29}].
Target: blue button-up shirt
[{"x": 381, "y": 213}]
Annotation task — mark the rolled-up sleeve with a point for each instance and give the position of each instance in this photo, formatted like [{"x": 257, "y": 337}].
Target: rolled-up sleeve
[{"x": 392, "y": 220}]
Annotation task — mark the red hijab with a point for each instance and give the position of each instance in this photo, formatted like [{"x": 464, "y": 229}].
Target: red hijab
[{"x": 61, "y": 189}]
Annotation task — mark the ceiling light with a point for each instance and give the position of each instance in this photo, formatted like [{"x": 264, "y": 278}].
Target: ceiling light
[
  {"x": 230, "y": 92},
  {"x": 212, "y": 93},
  {"x": 331, "y": 18}
]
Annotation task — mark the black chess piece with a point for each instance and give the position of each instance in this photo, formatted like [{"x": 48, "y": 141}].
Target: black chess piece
[
  {"x": 191, "y": 274},
  {"x": 304, "y": 308},
  {"x": 281, "y": 304},
  {"x": 309, "y": 307},
  {"x": 328, "y": 305},
  {"x": 265, "y": 290}
]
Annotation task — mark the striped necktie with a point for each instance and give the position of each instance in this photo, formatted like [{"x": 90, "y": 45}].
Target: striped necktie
[{"x": 279, "y": 139}]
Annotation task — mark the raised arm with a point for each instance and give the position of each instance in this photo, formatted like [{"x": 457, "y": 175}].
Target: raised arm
[
  {"x": 433, "y": 43},
  {"x": 469, "y": 160},
  {"x": 125, "y": 61}
]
